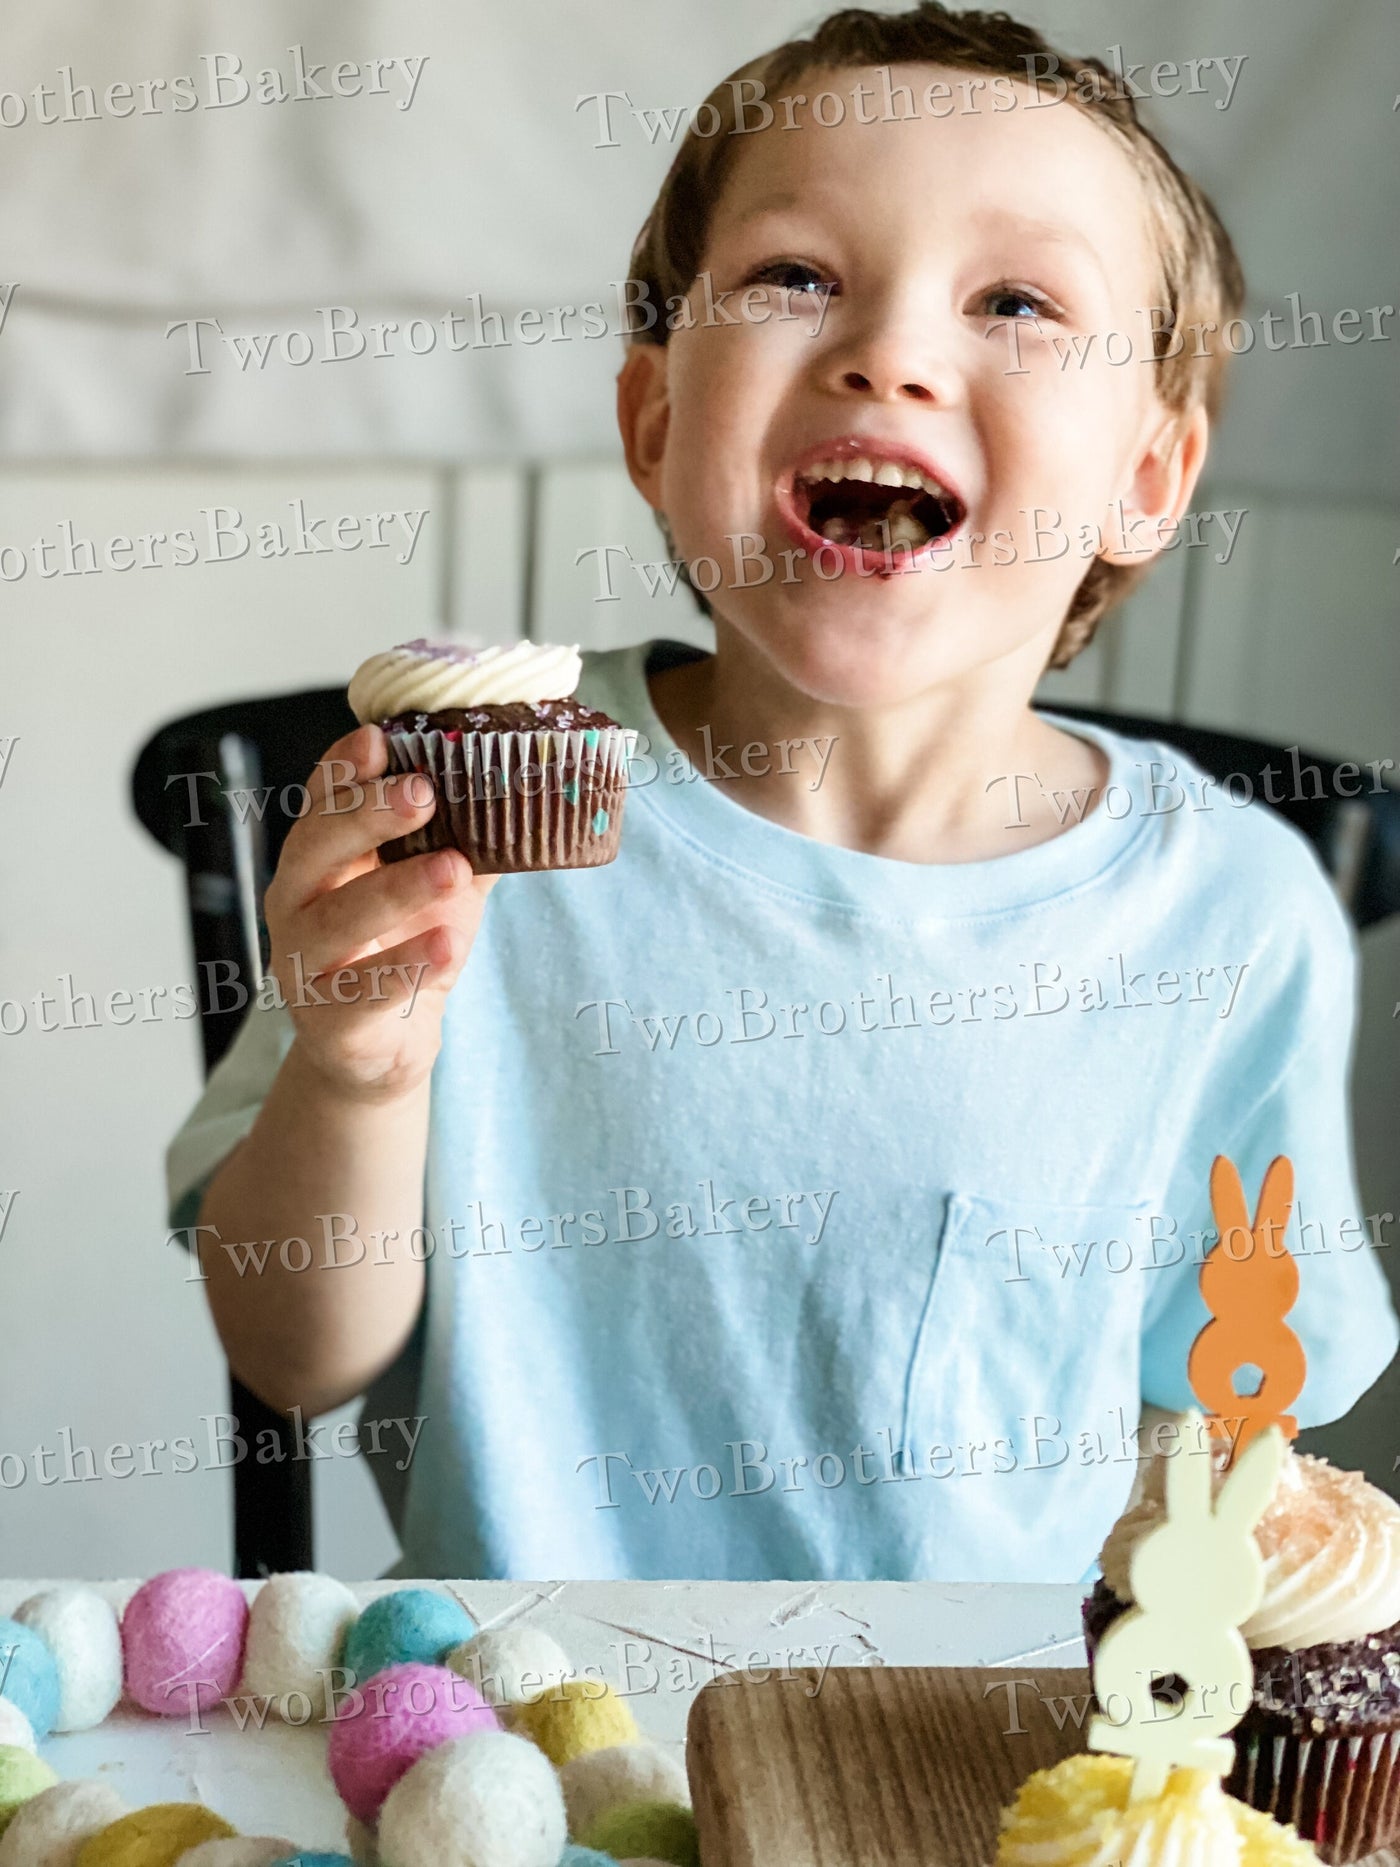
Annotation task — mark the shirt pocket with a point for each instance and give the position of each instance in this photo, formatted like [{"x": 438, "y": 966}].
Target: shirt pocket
[{"x": 1031, "y": 1330}]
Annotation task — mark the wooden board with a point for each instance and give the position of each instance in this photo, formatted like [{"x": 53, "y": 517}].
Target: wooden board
[{"x": 875, "y": 1767}]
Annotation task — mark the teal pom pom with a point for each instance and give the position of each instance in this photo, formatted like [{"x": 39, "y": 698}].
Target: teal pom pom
[
  {"x": 29, "y": 1676},
  {"x": 585, "y": 1857},
  {"x": 411, "y": 1624},
  {"x": 314, "y": 1860}
]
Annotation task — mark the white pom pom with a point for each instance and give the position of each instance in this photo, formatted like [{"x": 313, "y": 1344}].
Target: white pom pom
[
  {"x": 238, "y": 1851},
  {"x": 512, "y": 1665},
  {"x": 82, "y": 1634},
  {"x": 489, "y": 1800},
  {"x": 16, "y": 1732},
  {"x": 362, "y": 1843},
  {"x": 603, "y": 1779},
  {"x": 49, "y": 1829},
  {"x": 295, "y": 1628}
]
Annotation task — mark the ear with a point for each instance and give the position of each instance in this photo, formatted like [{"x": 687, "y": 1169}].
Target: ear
[
  {"x": 1245, "y": 1494},
  {"x": 1164, "y": 478},
  {"x": 644, "y": 417},
  {"x": 1188, "y": 1486}
]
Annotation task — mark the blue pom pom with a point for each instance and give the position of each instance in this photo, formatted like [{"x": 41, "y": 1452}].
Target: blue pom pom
[
  {"x": 29, "y": 1676},
  {"x": 575, "y": 1856},
  {"x": 411, "y": 1624}
]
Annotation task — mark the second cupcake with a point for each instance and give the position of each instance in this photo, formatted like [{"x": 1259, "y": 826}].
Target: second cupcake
[{"x": 1319, "y": 1745}]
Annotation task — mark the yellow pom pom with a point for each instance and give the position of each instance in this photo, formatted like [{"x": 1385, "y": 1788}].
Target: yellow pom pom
[
  {"x": 574, "y": 1717},
  {"x": 22, "y": 1775},
  {"x": 153, "y": 1837}
]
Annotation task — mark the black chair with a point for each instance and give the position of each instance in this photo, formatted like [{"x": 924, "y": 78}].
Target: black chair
[{"x": 181, "y": 789}]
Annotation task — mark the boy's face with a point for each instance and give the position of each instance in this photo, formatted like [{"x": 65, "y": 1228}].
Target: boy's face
[{"x": 932, "y": 235}]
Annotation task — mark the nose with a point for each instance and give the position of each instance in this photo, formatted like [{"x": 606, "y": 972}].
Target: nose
[{"x": 892, "y": 362}]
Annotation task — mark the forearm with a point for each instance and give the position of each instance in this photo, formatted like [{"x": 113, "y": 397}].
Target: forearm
[{"x": 313, "y": 1327}]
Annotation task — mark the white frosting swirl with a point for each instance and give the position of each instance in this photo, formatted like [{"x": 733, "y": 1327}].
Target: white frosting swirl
[
  {"x": 423, "y": 676},
  {"x": 1331, "y": 1548}
]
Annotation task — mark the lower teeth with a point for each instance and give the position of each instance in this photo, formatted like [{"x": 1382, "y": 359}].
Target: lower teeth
[
  {"x": 897, "y": 527},
  {"x": 876, "y": 534}
]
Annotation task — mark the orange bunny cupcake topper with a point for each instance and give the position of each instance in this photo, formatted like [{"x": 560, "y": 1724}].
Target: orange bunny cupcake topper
[{"x": 1249, "y": 1282}]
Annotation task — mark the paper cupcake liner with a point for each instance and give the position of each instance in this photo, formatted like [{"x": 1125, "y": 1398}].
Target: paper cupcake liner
[
  {"x": 519, "y": 801},
  {"x": 1339, "y": 1790},
  {"x": 1341, "y": 1793}
]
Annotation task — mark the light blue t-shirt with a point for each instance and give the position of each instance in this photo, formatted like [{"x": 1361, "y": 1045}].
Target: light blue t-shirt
[{"x": 795, "y": 1212}]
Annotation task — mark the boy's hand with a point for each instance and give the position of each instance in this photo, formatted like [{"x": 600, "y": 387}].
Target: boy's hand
[{"x": 382, "y": 943}]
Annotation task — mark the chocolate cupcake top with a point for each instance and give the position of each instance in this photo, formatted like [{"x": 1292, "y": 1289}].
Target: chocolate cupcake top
[
  {"x": 1331, "y": 1548},
  {"x": 428, "y": 677}
]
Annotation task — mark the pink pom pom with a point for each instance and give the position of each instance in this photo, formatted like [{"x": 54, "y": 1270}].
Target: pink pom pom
[
  {"x": 182, "y": 1641},
  {"x": 390, "y": 1721}
]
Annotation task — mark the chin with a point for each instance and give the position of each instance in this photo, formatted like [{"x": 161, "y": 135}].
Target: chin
[{"x": 843, "y": 656}]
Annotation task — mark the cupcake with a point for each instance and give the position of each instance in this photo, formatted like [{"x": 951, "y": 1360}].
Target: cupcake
[
  {"x": 526, "y": 776},
  {"x": 1078, "y": 1814},
  {"x": 1319, "y": 1744}
]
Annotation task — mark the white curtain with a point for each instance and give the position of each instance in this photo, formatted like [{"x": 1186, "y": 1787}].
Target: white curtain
[{"x": 491, "y": 182}]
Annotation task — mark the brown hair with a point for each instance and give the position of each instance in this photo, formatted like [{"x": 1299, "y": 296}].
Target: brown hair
[{"x": 1200, "y": 272}]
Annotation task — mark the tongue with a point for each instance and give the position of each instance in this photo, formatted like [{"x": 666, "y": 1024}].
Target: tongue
[{"x": 897, "y": 526}]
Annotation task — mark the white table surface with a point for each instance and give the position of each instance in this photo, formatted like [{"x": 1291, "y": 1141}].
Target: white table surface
[{"x": 656, "y": 1643}]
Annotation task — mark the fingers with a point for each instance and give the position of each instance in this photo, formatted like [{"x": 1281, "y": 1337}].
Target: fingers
[
  {"x": 416, "y": 973},
  {"x": 355, "y": 806},
  {"x": 389, "y": 903}
]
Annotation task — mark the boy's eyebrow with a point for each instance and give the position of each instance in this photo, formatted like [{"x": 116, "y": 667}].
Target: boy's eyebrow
[
  {"x": 1056, "y": 232},
  {"x": 771, "y": 204}
]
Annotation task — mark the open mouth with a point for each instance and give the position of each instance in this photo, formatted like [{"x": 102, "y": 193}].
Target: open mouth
[{"x": 872, "y": 505}]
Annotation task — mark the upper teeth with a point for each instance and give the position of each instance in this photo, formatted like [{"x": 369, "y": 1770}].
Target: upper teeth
[{"x": 886, "y": 474}]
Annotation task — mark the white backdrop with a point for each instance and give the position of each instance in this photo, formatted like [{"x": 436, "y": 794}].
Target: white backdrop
[{"x": 490, "y": 183}]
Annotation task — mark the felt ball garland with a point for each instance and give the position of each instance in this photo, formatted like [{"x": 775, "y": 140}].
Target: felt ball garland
[
  {"x": 52, "y": 1825},
  {"x": 450, "y": 1746},
  {"x": 80, "y": 1629},
  {"x": 411, "y": 1624},
  {"x": 581, "y": 1715},
  {"x": 22, "y": 1775},
  {"x": 16, "y": 1732},
  {"x": 182, "y": 1641},
  {"x": 31, "y": 1676},
  {"x": 402, "y": 1712}
]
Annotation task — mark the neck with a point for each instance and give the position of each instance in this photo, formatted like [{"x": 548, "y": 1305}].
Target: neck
[{"x": 960, "y": 773}]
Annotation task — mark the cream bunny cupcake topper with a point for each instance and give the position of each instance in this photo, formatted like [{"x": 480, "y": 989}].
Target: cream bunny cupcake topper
[
  {"x": 1195, "y": 1578},
  {"x": 1199, "y": 1575}
]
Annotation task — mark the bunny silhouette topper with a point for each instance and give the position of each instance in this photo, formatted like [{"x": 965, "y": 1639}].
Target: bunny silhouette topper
[
  {"x": 1195, "y": 1579},
  {"x": 1249, "y": 1282}
]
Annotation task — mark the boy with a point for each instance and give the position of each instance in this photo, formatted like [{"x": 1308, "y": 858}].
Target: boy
[{"x": 805, "y": 1194}]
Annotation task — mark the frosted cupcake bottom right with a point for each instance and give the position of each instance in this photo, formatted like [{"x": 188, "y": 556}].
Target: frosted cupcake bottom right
[{"x": 1319, "y": 1745}]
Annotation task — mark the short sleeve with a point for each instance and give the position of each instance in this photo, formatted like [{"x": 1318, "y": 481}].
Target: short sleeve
[
  {"x": 1344, "y": 1314},
  {"x": 227, "y": 1109}
]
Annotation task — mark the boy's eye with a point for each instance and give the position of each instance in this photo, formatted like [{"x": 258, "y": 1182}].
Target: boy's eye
[
  {"x": 1019, "y": 301},
  {"x": 794, "y": 275}
]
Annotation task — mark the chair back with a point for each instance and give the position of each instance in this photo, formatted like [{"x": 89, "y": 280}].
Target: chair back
[{"x": 217, "y": 790}]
